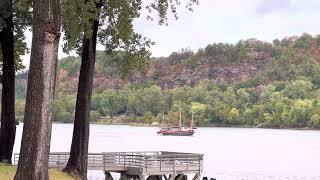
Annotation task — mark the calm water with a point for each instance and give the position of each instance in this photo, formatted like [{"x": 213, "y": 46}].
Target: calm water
[{"x": 230, "y": 153}]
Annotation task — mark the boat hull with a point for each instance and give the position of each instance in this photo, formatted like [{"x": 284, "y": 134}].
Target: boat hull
[{"x": 177, "y": 133}]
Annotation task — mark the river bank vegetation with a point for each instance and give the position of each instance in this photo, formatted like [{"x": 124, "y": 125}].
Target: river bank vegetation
[{"x": 284, "y": 94}]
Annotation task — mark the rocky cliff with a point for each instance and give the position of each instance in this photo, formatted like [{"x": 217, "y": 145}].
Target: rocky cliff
[{"x": 223, "y": 63}]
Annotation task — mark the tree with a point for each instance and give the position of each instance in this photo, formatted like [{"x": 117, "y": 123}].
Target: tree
[
  {"x": 11, "y": 47},
  {"x": 8, "y": 126},
  {"x": 298, "y": 89},
  {"x": 35, "y": 144},
  {"x": 249, "y": 116},
  {"x": 116, "y": 33},
  {"x": 300, "y": 113},
  {"x": 71, "y": 64},
  {"x": 304, "y": 41},
  {"x": 78, "y": 161},
  {"x": 233, "y": 116},
  {"x": 110, "y": 102},
  {"x": 315, "y": 121},
  {"x": 276, "y": 42},
  {"x": 197, "y": 110},
  {"x": 94, "y": 116},
  {"x": 148, "y": 117}
]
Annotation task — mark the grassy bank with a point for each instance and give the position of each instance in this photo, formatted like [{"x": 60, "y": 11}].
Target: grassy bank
[{"x": 7, "y": 172}]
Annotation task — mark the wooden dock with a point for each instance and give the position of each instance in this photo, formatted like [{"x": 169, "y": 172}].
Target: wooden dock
[{"x": 137, "y": 165}]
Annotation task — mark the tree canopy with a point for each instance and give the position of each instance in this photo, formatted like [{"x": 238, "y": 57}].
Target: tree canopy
[
  {"x": 21, "y": 11},
  {"x": 126, "y": 48}
]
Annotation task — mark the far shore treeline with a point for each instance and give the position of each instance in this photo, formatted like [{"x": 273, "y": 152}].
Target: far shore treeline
[{"x": 285, "y": 93}]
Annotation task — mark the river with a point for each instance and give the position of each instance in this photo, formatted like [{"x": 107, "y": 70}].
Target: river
[{"x": 229, "y": 153}]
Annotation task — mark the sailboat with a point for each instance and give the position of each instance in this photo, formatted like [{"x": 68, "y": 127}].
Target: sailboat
[{"x": 177, "y": 130}]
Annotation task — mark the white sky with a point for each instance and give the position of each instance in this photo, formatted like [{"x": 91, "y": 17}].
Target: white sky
[{"x": 227, "y": 21}]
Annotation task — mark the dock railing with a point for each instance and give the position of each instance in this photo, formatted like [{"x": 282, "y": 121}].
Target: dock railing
[
  {"x": 156, "y": 161},
  {"x": 148, "y": 162}
]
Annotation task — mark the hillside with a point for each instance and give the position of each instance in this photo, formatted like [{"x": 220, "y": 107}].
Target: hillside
[
  {"x": 250, "y": 83},
  {"x": 223, "y": 63},
  {"x": 171, "y": 73}
]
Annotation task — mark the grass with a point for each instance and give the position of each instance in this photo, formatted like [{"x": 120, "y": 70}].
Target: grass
[{"x": 7, "y": 172}]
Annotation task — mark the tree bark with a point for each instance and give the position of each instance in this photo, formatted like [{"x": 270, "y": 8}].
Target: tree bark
[
  {"x": 78, "y": 159},
  {"x": 8, "y": 122},
  {"x": 35, "y": 143}
]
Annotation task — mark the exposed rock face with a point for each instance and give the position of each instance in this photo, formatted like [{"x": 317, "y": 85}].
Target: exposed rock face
[
  {"x": 168, "y": 76},
  {"x": 174, "y": 76}
]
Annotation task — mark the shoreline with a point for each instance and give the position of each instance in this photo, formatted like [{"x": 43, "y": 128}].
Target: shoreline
[{"x": 209, "y": 126}]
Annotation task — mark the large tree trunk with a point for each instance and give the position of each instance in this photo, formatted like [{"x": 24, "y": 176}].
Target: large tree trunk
[
  {"x": 35, "y": 143},
  {"x": 78, "y": 159},
  {"x": 8, "y": 124}
]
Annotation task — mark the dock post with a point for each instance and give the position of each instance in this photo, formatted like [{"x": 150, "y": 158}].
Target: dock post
[
  {"x": 141, "y": 177},
  {"x": 172, "y": 177},
  {"x": 196, "y": 177},
  {"x": 165, "y": 177},
  {"x": 181, "y": 177},
  {"x": 155, "y": 177},
  {"x": 108, "y": 175},
  {"x": 185, "y": 177},
  {"x": 124, "y": 176}
]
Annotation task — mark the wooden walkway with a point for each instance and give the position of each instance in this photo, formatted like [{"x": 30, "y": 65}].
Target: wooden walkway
[{"x": 136, "y": 164}]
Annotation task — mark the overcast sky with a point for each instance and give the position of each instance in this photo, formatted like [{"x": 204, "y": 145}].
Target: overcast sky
[{"x": 228, "y": 21}]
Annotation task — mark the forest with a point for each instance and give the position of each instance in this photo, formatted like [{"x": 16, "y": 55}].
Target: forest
[{"x": 284, "y": 94}]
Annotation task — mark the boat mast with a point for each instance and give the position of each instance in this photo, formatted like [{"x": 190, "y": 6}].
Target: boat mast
[
  {"x": 162, "y": 118},
  {"x": 191, "y": 124},
  {"x": 180, "y": 124}
]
